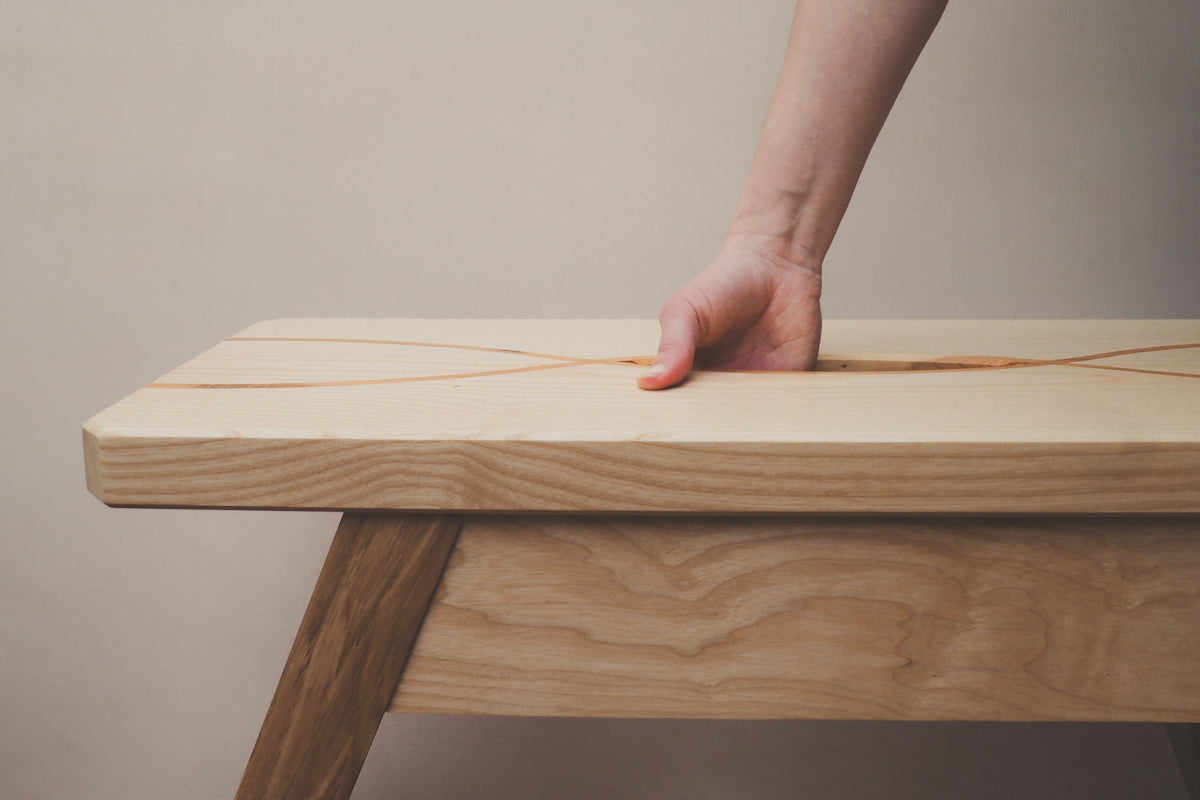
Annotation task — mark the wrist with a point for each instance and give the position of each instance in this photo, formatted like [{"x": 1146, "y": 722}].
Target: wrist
[
  {"x": 790, "y": 223},
  {"x": 780, "y": 250},
  {"x": 778, "y": 238}
]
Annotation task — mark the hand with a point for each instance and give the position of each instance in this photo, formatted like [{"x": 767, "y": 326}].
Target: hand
[{"x": 750, "y": 309}]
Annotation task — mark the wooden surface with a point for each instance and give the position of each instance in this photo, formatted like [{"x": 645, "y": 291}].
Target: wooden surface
[
  {"x": 827, "y": 618},
  {"x": 540, "y": 415},
  {"x": 348, "y": 655}
]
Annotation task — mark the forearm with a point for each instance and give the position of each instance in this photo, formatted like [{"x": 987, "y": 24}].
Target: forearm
[{"x": 846, "y": 61}]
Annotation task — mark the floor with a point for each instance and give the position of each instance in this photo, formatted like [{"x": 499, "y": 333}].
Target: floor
[{"x": 459, "y": 757}]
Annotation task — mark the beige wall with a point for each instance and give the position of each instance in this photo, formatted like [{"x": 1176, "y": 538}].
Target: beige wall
[{"x": 170, "y": 172}]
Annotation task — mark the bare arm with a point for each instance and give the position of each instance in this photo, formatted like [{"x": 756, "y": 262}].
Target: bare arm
[{"x": 757, "y": 306}]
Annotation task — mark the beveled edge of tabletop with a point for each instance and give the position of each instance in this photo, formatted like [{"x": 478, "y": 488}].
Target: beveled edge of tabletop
[{"x": 648, "y": 477}]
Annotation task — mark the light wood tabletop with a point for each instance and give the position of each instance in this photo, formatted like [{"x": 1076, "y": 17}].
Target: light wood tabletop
[{"x": 543, "y": 415}]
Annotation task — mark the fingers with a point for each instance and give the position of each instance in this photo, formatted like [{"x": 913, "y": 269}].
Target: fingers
[{"x": 676, "y": 347}]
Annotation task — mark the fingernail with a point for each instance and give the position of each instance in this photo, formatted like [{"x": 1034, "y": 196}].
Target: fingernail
[{"x": 654, "y": 371}]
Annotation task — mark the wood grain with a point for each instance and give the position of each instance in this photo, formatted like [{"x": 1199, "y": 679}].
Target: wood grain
[
  {"x": 356, "y": 635},
  {"x": 984, "y": 619},
  {"x": 543, "y": 415}
]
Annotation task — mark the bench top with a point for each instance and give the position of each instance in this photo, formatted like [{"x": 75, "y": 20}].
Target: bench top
[{"x": 917, "y": 416}]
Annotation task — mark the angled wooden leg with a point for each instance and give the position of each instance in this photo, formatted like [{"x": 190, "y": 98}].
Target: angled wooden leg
[
  {"x": 1185, "y": 739},
  {"x": 355, "y": 638}
]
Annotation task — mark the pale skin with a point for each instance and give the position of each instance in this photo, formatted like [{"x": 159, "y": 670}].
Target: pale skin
[{"x": 758, "y": 304}]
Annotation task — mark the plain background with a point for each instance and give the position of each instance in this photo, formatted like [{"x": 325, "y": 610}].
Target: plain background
[{"x": 173, "y": 171}]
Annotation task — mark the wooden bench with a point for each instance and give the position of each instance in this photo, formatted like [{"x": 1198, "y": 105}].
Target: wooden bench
[{"x": 950, "y": 520}]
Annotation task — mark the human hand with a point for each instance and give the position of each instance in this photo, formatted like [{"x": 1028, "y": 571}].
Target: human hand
[{"x": 749, "y": 309}]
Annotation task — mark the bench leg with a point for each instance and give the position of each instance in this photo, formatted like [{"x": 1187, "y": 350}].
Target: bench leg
[
  {"x": 348, "y": 656},
  {"x": 1185, "y": 739}
]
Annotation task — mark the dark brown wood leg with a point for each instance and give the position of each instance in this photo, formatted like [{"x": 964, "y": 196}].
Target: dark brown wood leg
[
  {"x": 1185, "y": 739},
  {"x": 348, "y": 656}
]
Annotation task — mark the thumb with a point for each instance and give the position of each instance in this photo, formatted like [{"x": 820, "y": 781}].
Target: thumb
[{"x": 676, "y": 347}]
